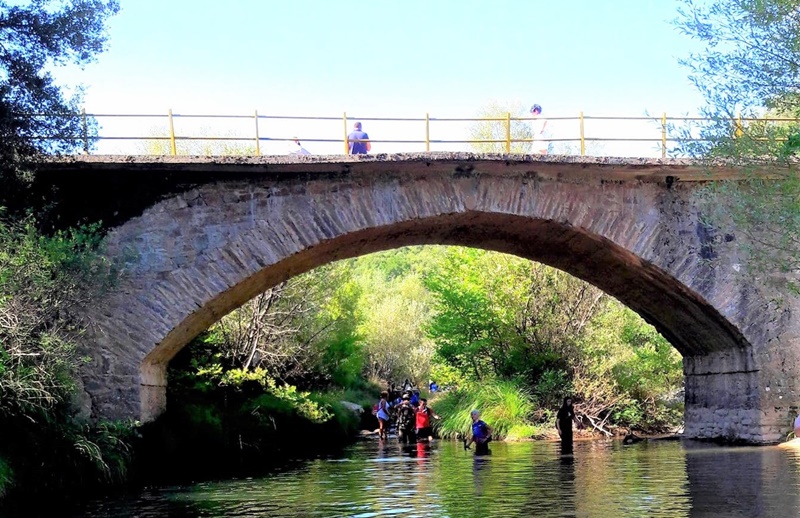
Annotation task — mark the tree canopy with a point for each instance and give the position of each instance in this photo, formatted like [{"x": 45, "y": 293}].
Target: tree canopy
[
  {"x": 751, "y": 54},
  {"x": 496, "y": 129},
  {"x": 750, "y": 65},
  {"x": 35, "y": 37}
]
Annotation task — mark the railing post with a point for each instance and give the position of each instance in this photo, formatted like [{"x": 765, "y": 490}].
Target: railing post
[
  {"x": 739, "y": 126},
  {"x": 85, "y": 127},
  {"x": 508, "y": 132},
  {"x": 427, "y": 132},
  {"x": 664, "y": 135},
  {"x": 346, "y": 145},
  {"x": 258, "y": 137},
  {"x": 172, "y": 147},
  {"x": 583, "y": 136}
]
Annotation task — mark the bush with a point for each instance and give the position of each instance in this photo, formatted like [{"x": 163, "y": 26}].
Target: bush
[
  {"x": 504, "y": 406},
  {"x": 42, "y": 278}
]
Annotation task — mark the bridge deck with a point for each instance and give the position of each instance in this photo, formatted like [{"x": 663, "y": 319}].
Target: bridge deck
[{"x": 543, "y": 166}]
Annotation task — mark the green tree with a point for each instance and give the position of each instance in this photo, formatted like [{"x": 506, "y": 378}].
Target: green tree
[
  {"x": 750, "y": 65},
  {"x": 498, "y": 317},
  {"x": 301, "y": 331},
  {"x": 627, "y": 373},
  {"x": 502, "y": 316},
  {"x": 35, "y": 36},
  {"x": 42, "y": 281},
  {"x": 498, "y": 129},
  {"x": 751, "y": 54},
  {"x": 395, "y": 313}
]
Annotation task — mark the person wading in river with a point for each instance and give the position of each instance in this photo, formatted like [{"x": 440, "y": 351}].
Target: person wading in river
[
  {"x": 406, "y": 417},
  {"x": 564, "y": 419},
  {"x": 382, "y": 413},
  {"x": 424, "y": 414},
  {"x": 481, "y": 434}
]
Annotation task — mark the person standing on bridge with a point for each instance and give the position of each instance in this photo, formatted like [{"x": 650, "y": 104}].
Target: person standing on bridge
[
  {"x": 358, "y": 141},
  {"x": 296, "y": 148},
  {"x": 538, "y": 126}
]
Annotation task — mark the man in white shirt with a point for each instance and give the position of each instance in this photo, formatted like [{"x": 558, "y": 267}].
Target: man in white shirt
[{"x": 296, "y": 148}]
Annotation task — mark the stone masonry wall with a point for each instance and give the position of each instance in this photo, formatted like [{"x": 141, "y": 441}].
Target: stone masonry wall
[{"x": 196, "y": 255}]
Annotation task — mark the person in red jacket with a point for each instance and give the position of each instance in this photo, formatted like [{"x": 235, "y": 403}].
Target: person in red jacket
[{"x": 424, "y": 414}]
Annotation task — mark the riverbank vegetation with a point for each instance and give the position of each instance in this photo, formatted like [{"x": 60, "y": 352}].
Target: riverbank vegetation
[
  {"x": 501, "y": 334},
  {"x": 44, "y": 273},
  {"x": 43, "y": 279}
]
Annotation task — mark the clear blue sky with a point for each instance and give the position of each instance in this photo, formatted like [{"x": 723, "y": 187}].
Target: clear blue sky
[{"x": 383, "y": 58}]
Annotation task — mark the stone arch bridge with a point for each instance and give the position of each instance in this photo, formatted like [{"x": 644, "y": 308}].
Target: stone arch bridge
[{"x": 201, "y": 236}]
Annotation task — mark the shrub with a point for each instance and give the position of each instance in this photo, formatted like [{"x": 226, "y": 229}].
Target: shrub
[{"x": 504, "y": 405}]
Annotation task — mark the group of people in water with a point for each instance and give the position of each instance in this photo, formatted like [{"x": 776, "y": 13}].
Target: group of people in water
[
  {"x": 412, "y": 418},
  {"x": 408, "y": 411}
]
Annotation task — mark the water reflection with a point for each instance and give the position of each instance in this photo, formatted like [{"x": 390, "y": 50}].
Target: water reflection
[
  {"x": 742, "y": 481},
  {"x": 600, "y": 478}
]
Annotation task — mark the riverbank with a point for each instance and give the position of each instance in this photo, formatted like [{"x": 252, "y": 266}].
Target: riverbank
[
  {"x": 191, "y": 445},
  {"x": 244, "y": 435}
]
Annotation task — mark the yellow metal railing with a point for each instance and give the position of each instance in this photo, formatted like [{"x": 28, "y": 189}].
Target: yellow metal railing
[{"x": 663, "y": 123}]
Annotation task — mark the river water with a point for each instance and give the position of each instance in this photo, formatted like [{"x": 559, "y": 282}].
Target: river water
[{"x": 600, "y": 478}]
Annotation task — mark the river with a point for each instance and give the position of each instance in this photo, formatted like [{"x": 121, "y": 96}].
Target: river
[{"x": 601, "y": 478}]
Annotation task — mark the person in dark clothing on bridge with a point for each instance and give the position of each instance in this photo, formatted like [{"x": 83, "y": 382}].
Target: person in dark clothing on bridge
[{"x": 358, "y": 141}]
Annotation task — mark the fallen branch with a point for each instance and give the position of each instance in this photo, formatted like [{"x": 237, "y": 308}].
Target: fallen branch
[{"x": 596, "y": 426}]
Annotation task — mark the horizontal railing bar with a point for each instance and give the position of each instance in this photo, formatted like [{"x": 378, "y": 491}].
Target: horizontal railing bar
[
  {"x": 432, "y": 141},
  {"x": 302, "y": 117},
  {"x": 379, "y": 119},
  {"x": 263, "y": 116},
  {"x": 612, "y": 118},
  {"x": 209, "y": 116},
  {"x": 412, "y": 119}
]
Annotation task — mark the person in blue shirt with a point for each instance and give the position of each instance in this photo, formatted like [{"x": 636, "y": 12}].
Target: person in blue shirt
[
  {"x": 415, "y": 398},
  {"x": 481, "y": 435},
  {"x": 433, "y": 386},
  {"x": 358, "y": 141}
]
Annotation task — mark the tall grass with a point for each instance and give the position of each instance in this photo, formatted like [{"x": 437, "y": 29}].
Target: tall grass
[
  {"x": 504, "y": 405},
  {"x": 5, "y": 477}
]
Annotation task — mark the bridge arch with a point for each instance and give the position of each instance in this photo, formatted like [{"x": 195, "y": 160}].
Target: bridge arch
[{"x": 199, "y": 253}]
